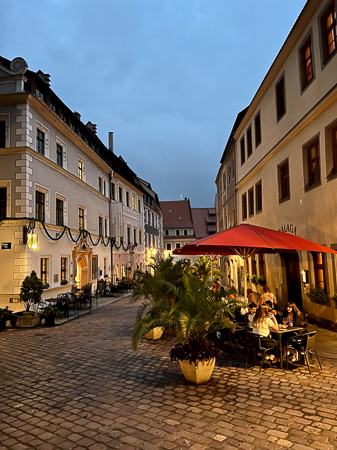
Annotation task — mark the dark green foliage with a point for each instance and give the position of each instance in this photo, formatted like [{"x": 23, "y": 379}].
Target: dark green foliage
[
  {"x": 31, "y": 290},
  {"x": 194, "y": 352},
  {"x": 318, "y": 295}
]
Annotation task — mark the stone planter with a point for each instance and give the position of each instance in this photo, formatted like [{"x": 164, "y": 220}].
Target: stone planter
[
  {"x": 200, "y": 373},
  {"x": 154, "y": 334},
  {"x": 27, "y": 319}
]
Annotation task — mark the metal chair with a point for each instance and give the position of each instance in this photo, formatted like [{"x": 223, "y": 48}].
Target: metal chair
[
  {"x": 305, "y": 344},
  {"x": 255, "y": 345}
]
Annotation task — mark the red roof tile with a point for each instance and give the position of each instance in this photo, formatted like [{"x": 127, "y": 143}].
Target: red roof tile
[
  {"x": 177, "y": 214},
  {"x": 204, "y": 221}
]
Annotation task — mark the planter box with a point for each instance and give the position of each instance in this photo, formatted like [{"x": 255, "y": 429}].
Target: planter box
[
  {"x": 200, "y": 373},
  {"x": 27, "y": 320}
]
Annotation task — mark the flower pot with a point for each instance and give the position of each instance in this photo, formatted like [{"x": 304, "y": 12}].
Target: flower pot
[
  {"x": 49, "y": 321},
  {"x": 155, "y": 333},
  {"x": 200, "y": 373}
]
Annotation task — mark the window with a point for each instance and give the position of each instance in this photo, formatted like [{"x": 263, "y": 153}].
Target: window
[
  {"x": 134, "y": 203},
  {"x": 319, "y": 269},
  {"x": 249, "y": 142},
  {"x": 332, "y": 151},
  {"x": 328, "y": 31},
  {"x": 280, "y": 98},
  {"x": 140, "y": 237},
  {"x": 94, "y": 267},
  {"x": 177, "y": 232},
  {"x": 44, "y": 270},
  {"x": 80, "y": 169},
  {"x": 64, "y": 269},
  {"x": 81, "y": 218},
  {"x": 100, "y": 225},
  {"x": 251, "y": 201},
  {"x": 134, "y": 235},
  {"x": 100, "y": 181},
  {"x": 244, "y": 206},
  {"x": 120, "y": 194},
  {"x": 2, "y": 133},
  {"x": 104, "y": 187},
  {"x": 283, "y": 181},
  {"x": 168, "y": 247},
  {"x": 59, "y": 155},
  {"x": 185, "y": 232},
  {"x": 243, "y": 152},
  {"x": 105, "y": 227},
  {"x": 224, "y": 182},
  {"x": 127, "y": 199},
  {"x": 59, "y": 212},
  {"x": 3, "y": 203},
  {"x": 139, "y": 206},
  {"x": 166, "y": 232},
  {"x": 40, "y": 141},
  {"x": 113, "y": 191},
  {"x": 306, "y": 63},
  {"x": 258, "y": 196},
  {"x": 128, "y": 230},
  {"x": 258, "y": 135},
  {"x": 178, "y": 245},
  {"x": 39, "y": 206},
  {"x": 312, "y": 166}
]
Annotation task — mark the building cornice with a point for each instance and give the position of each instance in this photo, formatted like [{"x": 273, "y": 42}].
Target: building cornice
[{"x": 132, "y": 186}]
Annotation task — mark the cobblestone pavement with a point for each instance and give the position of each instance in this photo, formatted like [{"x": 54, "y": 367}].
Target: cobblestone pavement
[{"x": 80, "y": 386}]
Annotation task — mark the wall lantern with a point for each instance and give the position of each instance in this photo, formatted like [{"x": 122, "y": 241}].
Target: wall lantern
[
  {"x": 32, "y": 240},
  {"x": 305, "y": 276}
]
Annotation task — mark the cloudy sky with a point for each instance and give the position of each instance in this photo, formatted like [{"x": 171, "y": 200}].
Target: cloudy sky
[{"x": 168, "y": 77}]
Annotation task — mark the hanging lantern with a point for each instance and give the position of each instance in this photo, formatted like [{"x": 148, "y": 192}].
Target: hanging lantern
[{"x": 32, "y": 240}]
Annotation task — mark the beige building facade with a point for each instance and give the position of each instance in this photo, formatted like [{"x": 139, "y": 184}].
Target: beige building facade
[{"x": 286, "y": 158}]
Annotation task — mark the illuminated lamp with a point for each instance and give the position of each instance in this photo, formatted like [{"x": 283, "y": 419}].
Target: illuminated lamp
[{"x": 32, "y": 240}]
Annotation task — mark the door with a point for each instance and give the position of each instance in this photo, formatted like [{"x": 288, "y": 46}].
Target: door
[{"x": 292, "y": 265}]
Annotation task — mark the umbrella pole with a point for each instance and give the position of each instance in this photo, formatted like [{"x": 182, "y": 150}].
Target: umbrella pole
[{"x": 245, "y": 260}]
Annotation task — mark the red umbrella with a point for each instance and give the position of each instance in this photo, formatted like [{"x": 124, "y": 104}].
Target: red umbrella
[{"x": 246, "y": 240}]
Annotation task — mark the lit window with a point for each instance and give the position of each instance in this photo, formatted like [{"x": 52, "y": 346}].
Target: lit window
[
  {"x": 312, "y": 165},
  {"x": 306, "y": 63},
  {"x": 283, "y": 181},
  {"x": 328, "y": 31},
  {"x": 80, "y": 169}
]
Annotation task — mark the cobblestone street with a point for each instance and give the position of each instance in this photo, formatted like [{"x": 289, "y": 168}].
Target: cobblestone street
[{"x": 80, "y": 386}]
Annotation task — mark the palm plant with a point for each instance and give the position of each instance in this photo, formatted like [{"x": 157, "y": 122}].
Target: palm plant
[{"x": 197, "y": 312}]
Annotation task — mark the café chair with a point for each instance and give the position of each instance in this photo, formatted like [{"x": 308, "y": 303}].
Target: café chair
[
  {"x": 254, "y": 345},
  {"x": 305, "y": 344}
]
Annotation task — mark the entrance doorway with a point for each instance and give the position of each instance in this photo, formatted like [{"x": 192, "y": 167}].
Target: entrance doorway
[{"x": 292, "y": 265}]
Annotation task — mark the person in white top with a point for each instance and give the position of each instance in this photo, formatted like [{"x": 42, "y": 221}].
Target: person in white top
[
  {"x": 267, "y": 295},
  {"x": 262, "y": 325}
]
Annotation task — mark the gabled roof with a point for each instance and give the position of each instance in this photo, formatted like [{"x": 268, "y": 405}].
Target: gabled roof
[
  {"x": 177, "y": 214},
  {"x": 204, "y": 222},
  {"x": 237, "y": 122}
]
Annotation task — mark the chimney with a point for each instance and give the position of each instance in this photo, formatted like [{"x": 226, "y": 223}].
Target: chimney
[
  {"x": 92, "y": 127},
  {"x": 111, "y": 141},
  {"x": 77, "y": 115},
  {"x": 44, "y": 76}
]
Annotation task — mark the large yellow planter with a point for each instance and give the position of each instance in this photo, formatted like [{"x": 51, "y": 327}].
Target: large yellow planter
[
  {"x": 155, "y": 333},
  {"x": 200, "y": 373}
]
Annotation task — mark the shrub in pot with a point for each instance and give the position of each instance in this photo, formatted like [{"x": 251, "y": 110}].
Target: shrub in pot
[
  {"x": 5, "y": 315},
  {"x": 49, "y": 314},
  {"x": 198, "y": 312},
  {"x": 31, "y": 290}
]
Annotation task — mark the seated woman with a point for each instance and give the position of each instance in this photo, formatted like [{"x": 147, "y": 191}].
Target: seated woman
[
  {"x": 292, "y": 317},
  {"x": 272, "y": 313},
  {"x": 263, "y": 325}
]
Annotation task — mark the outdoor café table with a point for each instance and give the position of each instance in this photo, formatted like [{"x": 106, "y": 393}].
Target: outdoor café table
[
  {"x": 61, "y": 303},
  {"x": 279, "y": 333}
]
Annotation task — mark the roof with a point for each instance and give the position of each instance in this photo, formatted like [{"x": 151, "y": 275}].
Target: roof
[
  {"x": 204, "y": 222},
  {"x": 237, "y": 122},
  {"x": 177, "y": 213}
]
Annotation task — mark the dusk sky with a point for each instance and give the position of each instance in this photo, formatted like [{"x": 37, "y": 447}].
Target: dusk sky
[{"x": 168, "y": 77}]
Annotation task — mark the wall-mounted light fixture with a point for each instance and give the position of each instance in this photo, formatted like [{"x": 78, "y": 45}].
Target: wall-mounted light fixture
[
  {"x": 305, "y": 276},
  {"x": 29, "y": 237}
]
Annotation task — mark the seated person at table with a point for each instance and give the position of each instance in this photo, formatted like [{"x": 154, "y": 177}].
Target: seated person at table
[
  {"x": 249, "y": 316},
  {"x": 263, "y": 325},
  {"x": 267, "y": 295},
  {"x": 292, "y": 316},
  {"x": 272, "y": 313}
]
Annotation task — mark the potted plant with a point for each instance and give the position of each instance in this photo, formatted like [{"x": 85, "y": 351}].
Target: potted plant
[
  {"x": 30, "y": 294},
  {"x": 156, "y": 290},
  {"x": 318, "y": 295},
  {"x": 64, "y": 282},
  {"x": 49, "y": 314},
  {"x": 198, "y": 312},
  {"x": 5, "y": 315}
]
